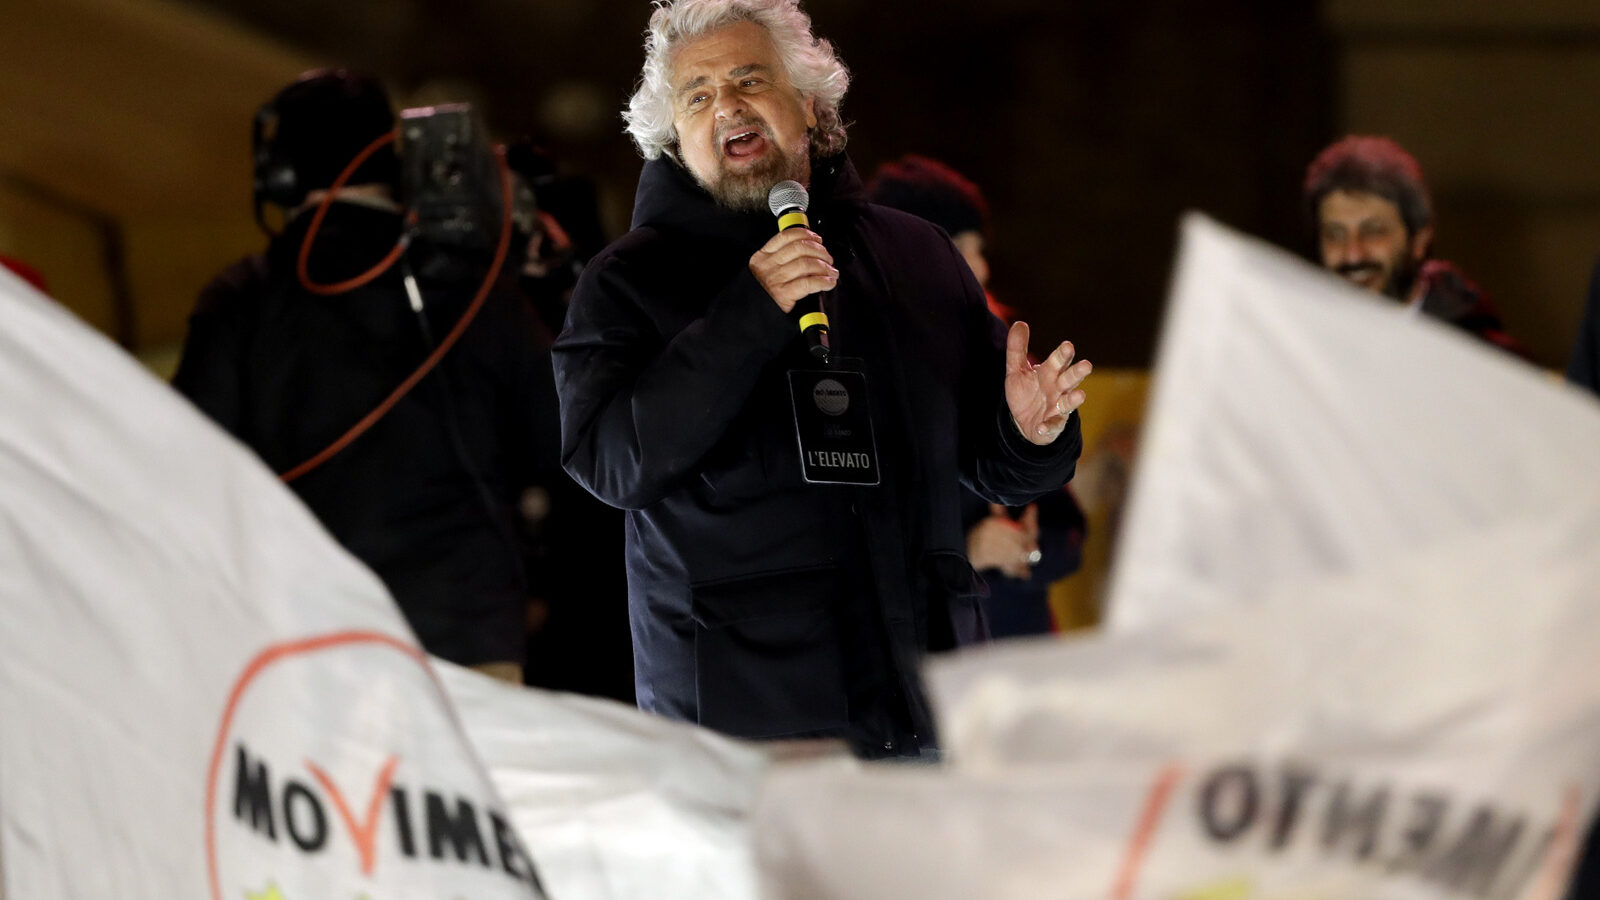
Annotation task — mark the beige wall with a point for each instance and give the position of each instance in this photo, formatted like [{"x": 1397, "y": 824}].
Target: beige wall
[
  {"x": 1500, "y": 102},
  {"x": 171, "y": 258},
  {"x": 125, "y": 129},
  {"x": 66, "y": 246}
]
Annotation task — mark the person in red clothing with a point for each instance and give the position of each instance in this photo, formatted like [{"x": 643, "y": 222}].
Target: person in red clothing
[
  {"x": 26, "y": 272},
  {"x": 1020, "y": 551},
  {"x": 1373, "y": 221}
]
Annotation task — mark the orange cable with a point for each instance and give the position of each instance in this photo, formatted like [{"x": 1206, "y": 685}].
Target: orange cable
[
  {"x": 444, "y": 346},
  {"x": 350, "y": 284}
]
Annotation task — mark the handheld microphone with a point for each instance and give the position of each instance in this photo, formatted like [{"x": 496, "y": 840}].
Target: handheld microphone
[{"x": 788, "y": 201}]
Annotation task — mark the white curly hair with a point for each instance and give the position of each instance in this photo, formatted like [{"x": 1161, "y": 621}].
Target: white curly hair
[{"x": 810, "y": 62}]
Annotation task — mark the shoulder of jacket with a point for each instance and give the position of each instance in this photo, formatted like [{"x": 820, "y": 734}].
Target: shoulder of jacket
[
  {"x": 910, "y": 245},
  {"x": 239, "y": 285},
  {"x": 639, "y": 244},
  {"x": 903, "y": 224}
]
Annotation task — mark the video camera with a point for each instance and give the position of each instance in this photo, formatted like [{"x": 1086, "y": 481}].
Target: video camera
[
  {"x": 450, "y": 180},
  {"x": 334, "y": 125}
]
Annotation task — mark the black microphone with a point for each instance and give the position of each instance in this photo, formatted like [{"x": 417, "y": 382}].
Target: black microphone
[{"x": 788, "y": 201}]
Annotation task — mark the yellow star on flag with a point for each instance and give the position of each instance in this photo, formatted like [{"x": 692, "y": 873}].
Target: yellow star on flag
[{"x": 271, "y": 893}]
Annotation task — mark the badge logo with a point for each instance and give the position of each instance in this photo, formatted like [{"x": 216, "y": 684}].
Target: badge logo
[{"x": 831, "y": 397}]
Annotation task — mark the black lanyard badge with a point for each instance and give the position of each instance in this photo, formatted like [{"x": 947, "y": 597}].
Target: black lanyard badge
[{"x": 833, "y": 423}]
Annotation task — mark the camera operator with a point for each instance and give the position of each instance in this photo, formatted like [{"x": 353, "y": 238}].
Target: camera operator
[{"x": 305, "y": 353}]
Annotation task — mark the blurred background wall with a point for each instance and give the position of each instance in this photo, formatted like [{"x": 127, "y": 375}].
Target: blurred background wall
[{"x": 124, "y": 130}]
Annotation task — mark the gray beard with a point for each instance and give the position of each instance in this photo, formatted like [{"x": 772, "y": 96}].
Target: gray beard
[{"x": 747, "y": 191}]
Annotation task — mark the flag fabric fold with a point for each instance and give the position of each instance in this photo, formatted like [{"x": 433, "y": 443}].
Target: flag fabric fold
[{"x": 1353, "y": 651}]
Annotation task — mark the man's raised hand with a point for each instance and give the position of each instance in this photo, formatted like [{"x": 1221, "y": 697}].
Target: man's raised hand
[{"x": 1043, "y": 396}]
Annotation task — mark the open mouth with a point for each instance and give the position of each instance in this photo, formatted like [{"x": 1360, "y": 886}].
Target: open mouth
[
  {"x": 744, "y": 143},
  {"x": 1362, "y": 275}
]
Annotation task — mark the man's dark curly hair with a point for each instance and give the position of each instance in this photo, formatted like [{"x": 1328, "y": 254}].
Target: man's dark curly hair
[{"x": 1370, "y": 165}]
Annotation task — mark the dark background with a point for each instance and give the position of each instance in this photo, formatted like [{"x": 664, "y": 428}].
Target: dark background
[{"x": 1091, "y": 125}]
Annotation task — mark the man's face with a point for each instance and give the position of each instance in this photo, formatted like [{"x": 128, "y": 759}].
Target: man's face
[
  {"x": 1364, "y": 238},
  {"x": 742, "y": 127},
  {"x": 970, "y": 245}
]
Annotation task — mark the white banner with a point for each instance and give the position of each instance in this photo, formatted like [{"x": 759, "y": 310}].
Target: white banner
[
  {"x": 616, "y": 804},
  {"x": 1299, "y": 428},
  {"x": 1356, "y": 653},
  {"x": 201, "y": 694},
  {"x": 1361, "y": 549}
]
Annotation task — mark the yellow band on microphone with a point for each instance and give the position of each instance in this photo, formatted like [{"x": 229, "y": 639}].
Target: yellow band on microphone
[
  {"x": 809, "y": 320},
  {"x": 790, "y": 219}
]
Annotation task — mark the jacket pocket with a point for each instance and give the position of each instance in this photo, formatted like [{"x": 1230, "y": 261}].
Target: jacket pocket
[
  {"x": 955, "y": 601},
  {"x": 768, "y": 657}
]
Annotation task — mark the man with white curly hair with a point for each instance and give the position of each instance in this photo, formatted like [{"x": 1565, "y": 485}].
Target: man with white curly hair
[{"x": 794, "y": 538}]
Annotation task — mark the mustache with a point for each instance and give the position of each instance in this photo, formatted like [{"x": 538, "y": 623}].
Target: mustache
[
  {"x": 745, "y": 122},
  {"x": 1354, "y": 268}
]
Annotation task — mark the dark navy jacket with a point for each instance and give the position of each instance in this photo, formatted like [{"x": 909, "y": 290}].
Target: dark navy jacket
[{"x": 760, "y": 605}]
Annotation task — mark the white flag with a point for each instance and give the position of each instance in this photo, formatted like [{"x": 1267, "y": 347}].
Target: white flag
[
  {"x": 201, "y": 694},
  {"x": 616, "y": 804},
  {"x": 1299, "y": 427},
  {"x": 1364, "y": 554}
]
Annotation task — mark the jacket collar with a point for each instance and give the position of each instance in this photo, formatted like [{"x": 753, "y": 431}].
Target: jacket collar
[{"x": 669, "y": 197}]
